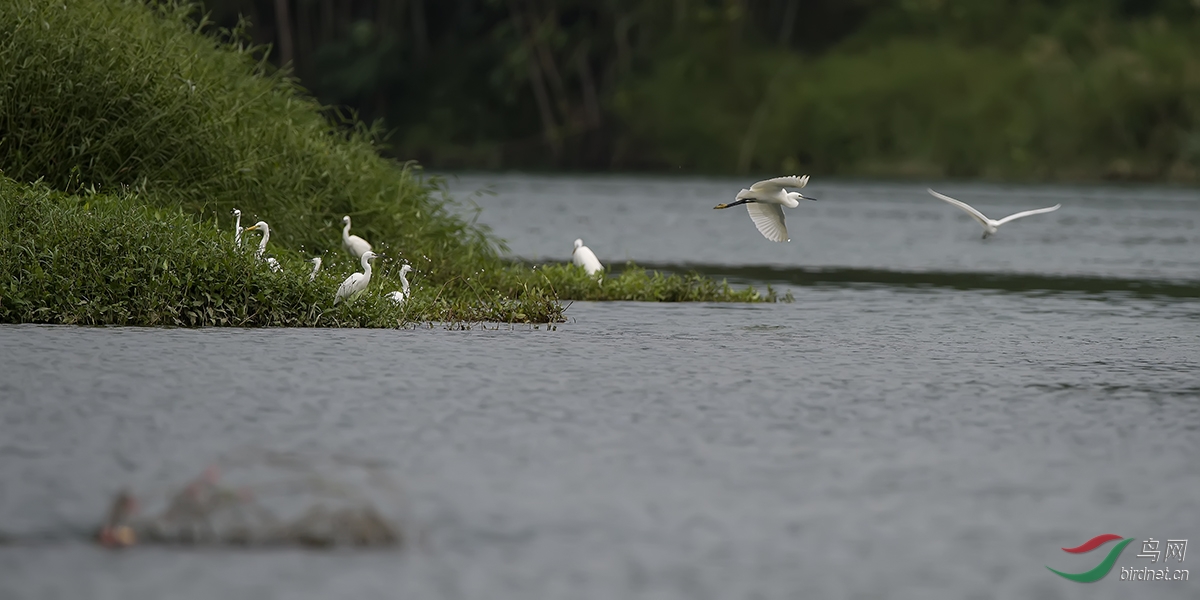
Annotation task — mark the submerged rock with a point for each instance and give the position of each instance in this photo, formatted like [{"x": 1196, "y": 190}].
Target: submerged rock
[{"x": 263, "y": 499}]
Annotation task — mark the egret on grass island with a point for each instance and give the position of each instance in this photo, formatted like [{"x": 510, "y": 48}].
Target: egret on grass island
[
  {"x": 237, "y": 228},
  {"x": 583, "y": 256},
  {"x": 765, "y": 201},
  {"x": 990, "y": 225},
  {"x": 316, "y": 261},
  {"x": 353, "y": 244},
  {"x": 356, "y": 283},
  {"x": 262, "y": 246},
  {"x": 402, "y": 295}
]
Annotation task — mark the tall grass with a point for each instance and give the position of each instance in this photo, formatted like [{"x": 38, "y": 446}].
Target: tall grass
[{"x": 104, "y": 259}]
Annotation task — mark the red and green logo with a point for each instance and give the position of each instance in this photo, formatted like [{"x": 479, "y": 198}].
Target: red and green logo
[{"x": 1105, "y": 565}]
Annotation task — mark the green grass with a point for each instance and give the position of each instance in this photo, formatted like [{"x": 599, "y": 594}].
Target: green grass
[
  {"x": 145, "y": 129},
  {"x": 111, "y": 260}
]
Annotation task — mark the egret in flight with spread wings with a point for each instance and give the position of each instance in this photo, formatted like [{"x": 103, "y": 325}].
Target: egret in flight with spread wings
[
  {"x": 583, "y": 256},
  {"x": 765, "y": 201},
  {"x": 402, "y": 295},
  {"x": 237, "y": 228},
  {"x": 262, "y": 246},
  {"x": 356, "y": 283},
  {"x": 990, "y": 225},
  {"x": 316, "y": 261},
  {"x": 353, "y": 244}
]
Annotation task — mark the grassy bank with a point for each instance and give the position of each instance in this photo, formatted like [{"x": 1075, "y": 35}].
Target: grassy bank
[
  {"x": 112, "y": 260},
  {"x": 145, "y": 128}
]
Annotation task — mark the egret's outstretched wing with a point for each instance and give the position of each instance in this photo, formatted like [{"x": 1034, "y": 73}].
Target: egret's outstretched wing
[
  {"x": 970, "y": 210},
  {"x": 1036, "y": 211},
  {"x": 778, "y": 183},
  {"x": 768, "y": 218}
]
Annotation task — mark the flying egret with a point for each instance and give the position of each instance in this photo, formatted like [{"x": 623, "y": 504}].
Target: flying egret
[
  {"x": 262, "y": 246},
  {"x": 583, "y": 256},
  {"x": 402, "y": 295},
  {"x": 353, "y": 244},
  {"x": 237, "y": 228},
  {"x": 765, "y": 201},
  {"x": 990, "y": 225},
  {"x": 356, "y": 283},
  {"x": 316, "y": 261}
]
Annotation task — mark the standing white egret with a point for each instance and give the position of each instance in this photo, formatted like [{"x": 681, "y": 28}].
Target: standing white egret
[
  {"x": 990, "y": 225},
  {"x": 237, "y": 228},
  {"x": 262, "y": 246},
  {"x": 356, "y": 283},
  {"x": 402, "y": 295},
  {"x": 316, "y": 261},
  {"x": 765, "y": 201},
  {"x": 353, "y": 244},
  {"x": 583, "y": 256}
]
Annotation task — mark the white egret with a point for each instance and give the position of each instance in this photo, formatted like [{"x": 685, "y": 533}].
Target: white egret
[
  {"x": 356, "y": 283},
  {"x": 353, "y": 244},
  {"x": 990, "y": 225},
  {"x": 316, "y": 261},
  {"x": 765, "y": 201},
  {"x": 237, "y": 228},
  {"x": 402, "y": 295},
  {"x": 262, "y": 246},
  {"x": 583, "y": 256}
]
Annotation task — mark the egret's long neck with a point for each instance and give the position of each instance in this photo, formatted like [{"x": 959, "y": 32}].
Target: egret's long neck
[
  {"x": 262, "y": 246},
  {"x": 365, "y": 261},
  {"x": 404, "y": 284},
  {"x": 316, "y": 267},
  {"x": 346, "y": 232}
]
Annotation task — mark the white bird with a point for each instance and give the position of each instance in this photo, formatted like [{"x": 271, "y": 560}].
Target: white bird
[
  {"x": 316, "y": 261},
  {"x": 583, "y": 256},
  {"x": 402, "y": 295},
  {"x": 990, "y": 225},
  {"x": 237, "y": 228},
  {"x": 765, "y": 201},
  {"x": 262, "y": 246},
  {"x": 356, "y": 283},
  {"x": 353, "y": 244}
]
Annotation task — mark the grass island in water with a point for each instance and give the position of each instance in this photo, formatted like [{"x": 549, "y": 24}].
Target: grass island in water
[{"x": 128, "y": 133}]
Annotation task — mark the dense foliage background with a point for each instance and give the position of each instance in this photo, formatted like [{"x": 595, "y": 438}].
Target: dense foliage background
[{"x": 1052, "y": 89}]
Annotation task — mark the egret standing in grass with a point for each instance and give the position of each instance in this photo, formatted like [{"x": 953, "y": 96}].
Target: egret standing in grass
[
  {"x": 237, "y": 228},
  {"x": 765, "y": 201},
  {"x": 355, "y": 245},
  {"x": 316, "y": 261},
  {"x": 583, "y": 256},
  {"x": 262, "y": 246},
  {"x": 356, "y": 283},
  {"x": 991, "y": 225},
  {"x": 402, "y": 295}
]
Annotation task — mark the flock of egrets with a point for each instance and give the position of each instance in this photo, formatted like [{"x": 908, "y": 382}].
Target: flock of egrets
[
  {"x": 354, "y": 285},
  {"x": 764, "y": 201}
]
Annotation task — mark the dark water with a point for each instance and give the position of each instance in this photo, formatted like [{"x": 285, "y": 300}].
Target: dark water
[{"x": 873, "y": 439}]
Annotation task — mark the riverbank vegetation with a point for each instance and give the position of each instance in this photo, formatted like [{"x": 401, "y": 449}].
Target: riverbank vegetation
[
  {"x": 1001, "y": 89},
  {"x": 143, "y": 127}
]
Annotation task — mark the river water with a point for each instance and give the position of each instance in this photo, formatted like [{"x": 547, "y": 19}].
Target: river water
[{"x": 935, "y": 416}]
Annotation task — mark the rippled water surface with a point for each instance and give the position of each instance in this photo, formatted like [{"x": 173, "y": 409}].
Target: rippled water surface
[{"x": 882, "y": 436}]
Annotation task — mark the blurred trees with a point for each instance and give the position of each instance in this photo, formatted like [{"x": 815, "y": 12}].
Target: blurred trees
[{"x": 1044, "y": 89}]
